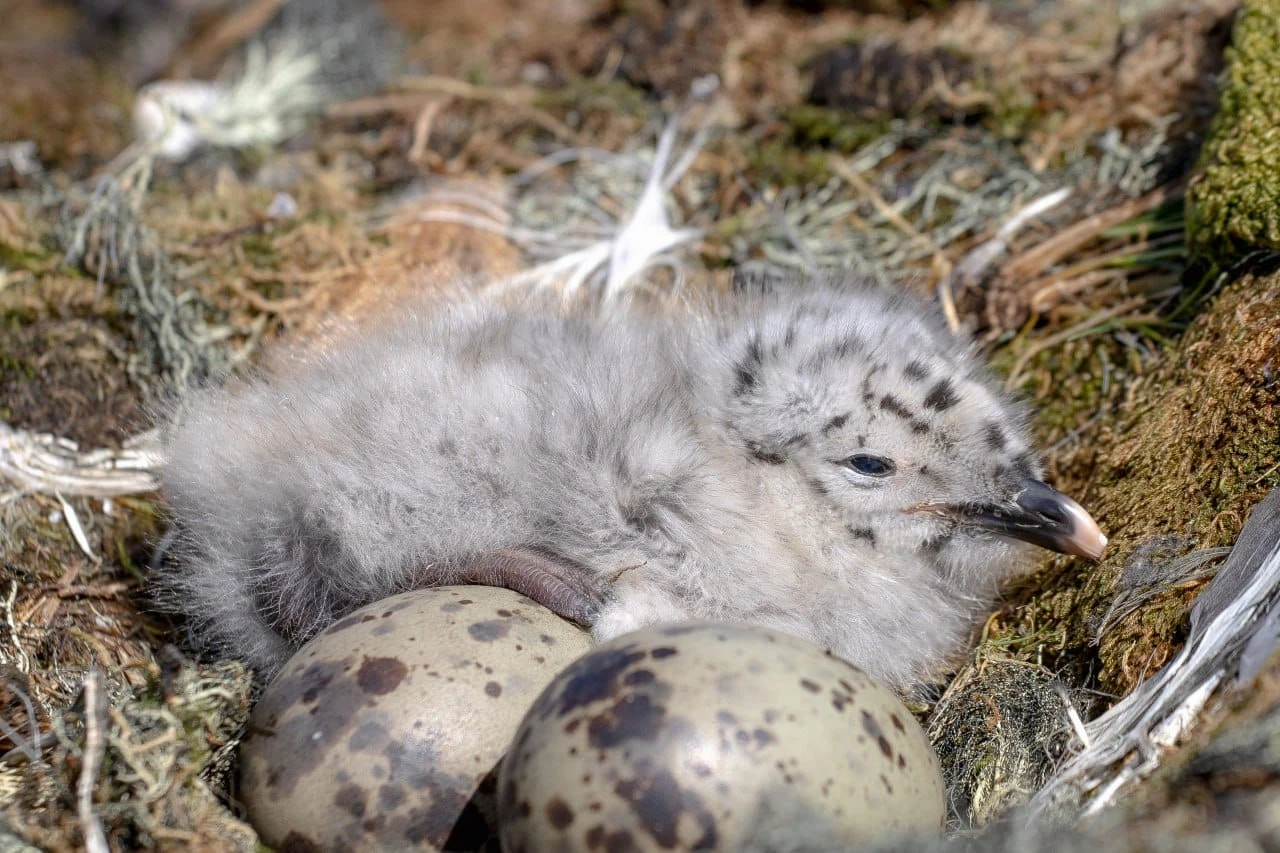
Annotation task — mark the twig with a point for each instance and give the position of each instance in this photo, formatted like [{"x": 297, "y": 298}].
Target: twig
[
  {"x": 23, "y": 746},
  {"x": 1031, "y": 262},
  {"x": 1057, "y": 288},
  {"x": 422, "y": 128},
  {"x": 1066, "y": 335},
  {"x": 46, "y": 463},
  {"x": 106, "y": 590},
  {"x": 24, "y": 749},
  {"x": 95, "y": 839},
  {"x": 519, "y": 98},
  {"x": 230, "y": 32}
]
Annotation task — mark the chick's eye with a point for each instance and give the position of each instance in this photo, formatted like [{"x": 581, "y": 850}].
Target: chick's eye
[{"x": 871, "y": 466}]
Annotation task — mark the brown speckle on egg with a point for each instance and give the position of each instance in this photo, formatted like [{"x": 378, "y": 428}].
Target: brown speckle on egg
[
  {"x": 380, "y": 676},
  {"x": 350, "y": 798},
  {"x": 296, "y": 842},
  {"x": 558, "y": 813},
  {"x": 390, "y": 796},
  {"x": 630, "y": 718},
  {"x": 369, "y": 735}
]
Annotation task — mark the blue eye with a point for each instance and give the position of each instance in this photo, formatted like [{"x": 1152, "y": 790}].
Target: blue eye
[{"x": 871, "y": 466}]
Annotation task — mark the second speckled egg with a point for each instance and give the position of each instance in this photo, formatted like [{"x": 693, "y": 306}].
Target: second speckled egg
[{"x": 707, "y": 736}]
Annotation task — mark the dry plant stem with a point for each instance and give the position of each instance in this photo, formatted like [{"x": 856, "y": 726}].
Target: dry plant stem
[
  {"x": 1034, "y": 261},
  {"x": 1066, "y": 335},
  {"x": 1103, "y": 258},
  {"x": 1055, "y": 289},
  {"x": 95, "y": 839},
  {"x": 422, "y": 128},
  {"x": 373, "y": 105},
  {"x": 48, "y": 464},
  {"x": 941, "y": 266},
  {"x": 861, "y": 184},
  {"x": 230, "y": 32},
  {"x": 106, "y": 590},
  {"x": 517, "y": 98}
]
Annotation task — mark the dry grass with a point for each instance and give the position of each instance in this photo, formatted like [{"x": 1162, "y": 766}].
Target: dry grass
[{"x": 1086, "y": 308}]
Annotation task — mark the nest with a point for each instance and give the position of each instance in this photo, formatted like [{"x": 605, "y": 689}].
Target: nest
[{"x": 1027, "y": 164}]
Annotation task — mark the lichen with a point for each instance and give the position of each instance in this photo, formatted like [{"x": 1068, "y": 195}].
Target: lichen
[{"x": 1234, "y": 201}]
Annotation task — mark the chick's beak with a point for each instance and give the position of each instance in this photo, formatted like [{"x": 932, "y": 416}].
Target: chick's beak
[{"x": 1042, "y": 516}]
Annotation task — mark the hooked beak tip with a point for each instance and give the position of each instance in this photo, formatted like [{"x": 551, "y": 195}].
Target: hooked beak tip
[
  {"x": 1069, "y": 527},
  {"x": 1038, "y": 514},
  {"x": 1086, "y": 539},
  {"x": 1054, "y": 520}
]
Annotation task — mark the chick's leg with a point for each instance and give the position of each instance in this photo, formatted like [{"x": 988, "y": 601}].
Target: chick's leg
[{"x": 566, "y": 588}]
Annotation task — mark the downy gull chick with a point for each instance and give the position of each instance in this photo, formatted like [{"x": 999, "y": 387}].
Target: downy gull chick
[{"x": 826, "y": 460}]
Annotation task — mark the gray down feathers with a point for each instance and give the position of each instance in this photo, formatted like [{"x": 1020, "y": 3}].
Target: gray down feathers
[{"x": 696, "y": 461}]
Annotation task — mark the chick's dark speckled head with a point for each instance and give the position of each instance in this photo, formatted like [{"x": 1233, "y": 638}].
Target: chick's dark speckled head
[{"x": 898, "y": 432}]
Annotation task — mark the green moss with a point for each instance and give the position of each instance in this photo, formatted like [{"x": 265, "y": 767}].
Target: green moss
[
  {"x": 1234, "y": 202},
  {"x": 260, "y": 250},
  {"x": 15, "y": 258},
  {"x": 1013, "y": 113},
  {"x": 1188, "y": 450},
  {"x": 826, "y": 127},
  {"x": 782, "y": 164},
  {"x": 615, "y": 97}
]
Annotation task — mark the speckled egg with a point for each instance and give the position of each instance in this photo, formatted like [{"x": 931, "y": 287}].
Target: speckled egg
[
  {"x": 383, "y": 732},
  {"x": 706, "y": 736}
]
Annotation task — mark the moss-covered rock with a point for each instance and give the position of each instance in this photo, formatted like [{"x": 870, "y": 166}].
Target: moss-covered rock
[
  {"x": 1195, "y": 443},
  {"x": 1192, "y": 447},
  {"x": 1234, "y": 202}
]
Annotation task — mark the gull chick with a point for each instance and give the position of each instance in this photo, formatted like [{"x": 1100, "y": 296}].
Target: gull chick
[{"x": 826, "y": 460}]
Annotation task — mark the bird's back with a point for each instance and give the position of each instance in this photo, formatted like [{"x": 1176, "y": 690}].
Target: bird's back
[{"x": 381, "y": 464}]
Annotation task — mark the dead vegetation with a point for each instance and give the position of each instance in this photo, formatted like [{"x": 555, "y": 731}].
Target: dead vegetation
[{"x": 894, "y": 146}]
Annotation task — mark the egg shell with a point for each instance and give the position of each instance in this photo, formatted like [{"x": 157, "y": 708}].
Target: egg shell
[
  {"x": 383, "y": 732},
  {"x": 715, "y": 737}
]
